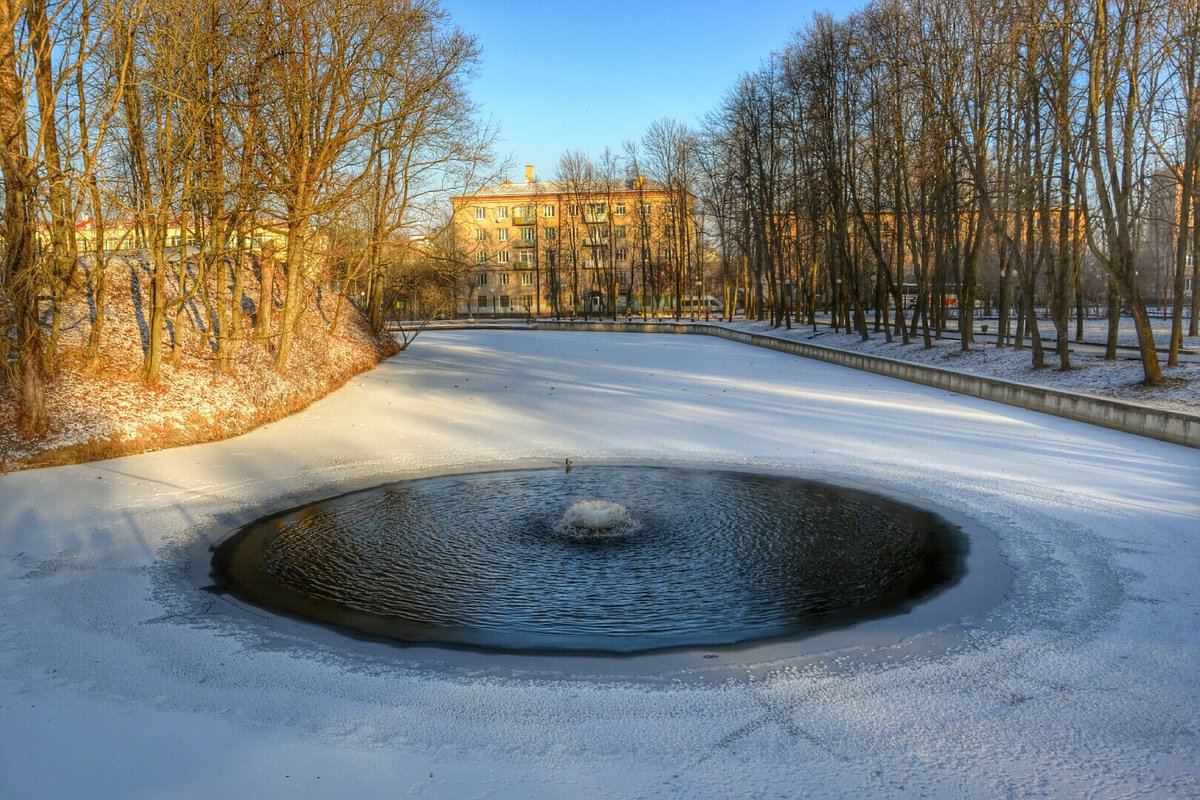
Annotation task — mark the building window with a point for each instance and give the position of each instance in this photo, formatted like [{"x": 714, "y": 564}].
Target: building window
[
  {"x": 480, "y": 235},
  {"x": 668, "y": 230},
  {"x": 619, "y": 231},
  {"x": 504, "y": 301},
  {"x": 480, "y": 213},
  {"x": 525, "y": 257},
  {"x": 528, "y": 234},
  {"x": 502, "y": 212},
  {"x": 480, "y": 257},
  {"x": 547, "y": 211},
  {"x": 596, "y": 209},
  {"x": 527, "y": 279},
  {"x": 645, "y": 208},
  {"x": 483, "y": 302},
  {"x": 620, "y": 208},
  {"x": 481, "y": 279},
  {"x": 645, "y": 231},
  {"x": 550, "y": 234},
  {"x": 504, "y": 279},
  {"x": 503, "y": 257},
  {"x": 620, "y": 256},
  {"x": 502, "y": 234}
]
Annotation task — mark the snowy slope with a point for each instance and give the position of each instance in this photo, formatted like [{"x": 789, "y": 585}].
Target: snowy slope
[{"x": 106, "y": 408}]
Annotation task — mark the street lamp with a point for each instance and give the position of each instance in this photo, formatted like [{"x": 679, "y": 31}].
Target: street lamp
[
  {"x": 837, "y": 303},
  {"x": 492, "y": 292}
]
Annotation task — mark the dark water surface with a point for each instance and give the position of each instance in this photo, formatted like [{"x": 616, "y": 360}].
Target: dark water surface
[{"x": 607, "y": 559}]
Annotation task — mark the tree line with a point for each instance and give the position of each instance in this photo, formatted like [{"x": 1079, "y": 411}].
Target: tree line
[
  {"x": 334, "y": 122},
  {"x": 984, "y": 151}
]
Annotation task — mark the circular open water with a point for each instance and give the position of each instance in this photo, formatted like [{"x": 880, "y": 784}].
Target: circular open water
[{"x": 598, "y": 559}]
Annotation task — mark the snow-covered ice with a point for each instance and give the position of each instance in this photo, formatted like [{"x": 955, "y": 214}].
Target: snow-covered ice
[{"x": 122, "y": 678}]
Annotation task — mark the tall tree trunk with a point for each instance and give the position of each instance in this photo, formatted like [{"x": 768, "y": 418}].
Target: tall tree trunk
[
  {"x": 61, "y": 263},
  {"x": 292, "y": 300},
  {"x": 21, "y": 272},
  {"x": 1114, "y": 321},
  {"x": 1187, "y": 182},
  {"x": 267, "y": 267},
  {"x": 1194, "y": 324}
]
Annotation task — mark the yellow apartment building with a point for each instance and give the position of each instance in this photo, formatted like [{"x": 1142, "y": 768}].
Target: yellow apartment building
[
  {"x": 122, "y": 234},
  {"x": 570, "y": 247}
]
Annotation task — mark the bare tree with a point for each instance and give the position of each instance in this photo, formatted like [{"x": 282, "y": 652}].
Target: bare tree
[
  {"x": 22, "y": 278},
  {"x": 577, "y": 175},
  {"x": 322, "y": 85},
  {"x": 1182, "y": 45},
  {"x": 424, "y": 131},
  {"x": 670, "y": 149},
  {"x": 1122, "y": 59}
]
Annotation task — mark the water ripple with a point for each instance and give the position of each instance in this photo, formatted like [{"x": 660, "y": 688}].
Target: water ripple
[{"x": 615, "y": 559}]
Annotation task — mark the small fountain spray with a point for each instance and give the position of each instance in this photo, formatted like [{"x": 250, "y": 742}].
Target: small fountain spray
[{"x": 591, "y": 519}]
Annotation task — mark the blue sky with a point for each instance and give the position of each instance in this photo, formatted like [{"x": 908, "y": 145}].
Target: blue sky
[{"x": 582, "y": 76}]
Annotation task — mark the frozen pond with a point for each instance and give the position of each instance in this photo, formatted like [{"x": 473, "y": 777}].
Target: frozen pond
[
  {"x": 124, "y": 678},
  {"x": 606, "y": 559}
]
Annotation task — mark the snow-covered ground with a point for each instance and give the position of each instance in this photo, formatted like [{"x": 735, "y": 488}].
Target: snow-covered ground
[{"x": 122, "y": 678}]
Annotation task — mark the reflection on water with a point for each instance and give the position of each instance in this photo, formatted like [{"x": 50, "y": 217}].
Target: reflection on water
[{"x": 616, "y": 559}]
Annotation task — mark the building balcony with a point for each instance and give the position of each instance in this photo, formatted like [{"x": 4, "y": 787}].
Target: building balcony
[
  {"x": 522, "y": 219},
  {"x": 590, "y": 242},
  {"x": 524, "y": 243}
]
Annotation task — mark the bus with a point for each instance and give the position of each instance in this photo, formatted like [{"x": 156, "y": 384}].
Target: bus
[
  {"x": 909, "y": 292},
  {"x": 691, "y": 305}
]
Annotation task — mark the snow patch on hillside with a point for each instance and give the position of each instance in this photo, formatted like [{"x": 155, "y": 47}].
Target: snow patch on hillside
[{"x": 106, "y": 408}]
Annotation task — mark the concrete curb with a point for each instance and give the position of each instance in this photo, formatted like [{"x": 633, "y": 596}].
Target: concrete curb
[{"x": 1169, "y": 426}]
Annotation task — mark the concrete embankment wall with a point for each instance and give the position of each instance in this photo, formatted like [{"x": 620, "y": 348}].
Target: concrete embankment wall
[{"x": 1170, "y": 426}]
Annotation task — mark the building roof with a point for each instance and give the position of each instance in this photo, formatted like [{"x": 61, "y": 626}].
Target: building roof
[{"x": 542, "y": 188}]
